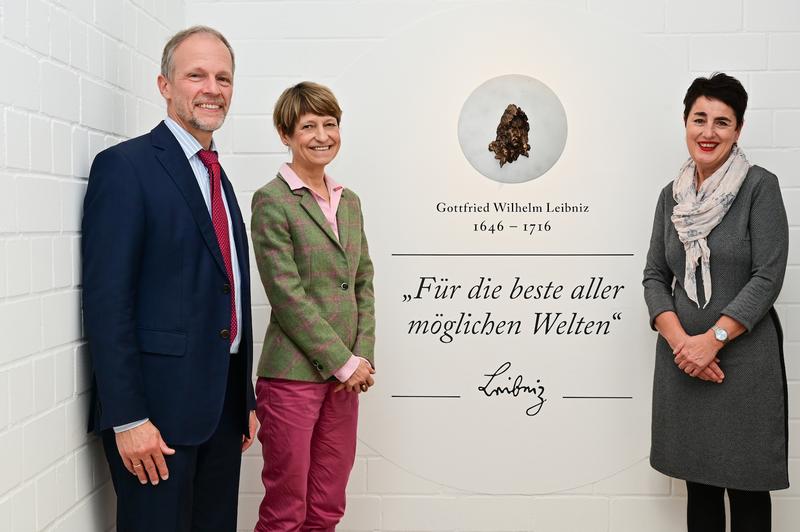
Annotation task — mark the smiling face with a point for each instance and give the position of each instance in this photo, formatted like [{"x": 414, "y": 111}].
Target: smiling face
[
  {"x": 711, "y": 132},
  {"x": 314, "y": 142},
  {"x": 200, "y": 86}
]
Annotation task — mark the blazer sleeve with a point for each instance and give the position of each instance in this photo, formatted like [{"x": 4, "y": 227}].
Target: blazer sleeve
[
  {"x": 112, "y": 238},
  {"x": 365, "y": 299},
  {"x": 297, "y": 315},
  {"x": 658, "y": 276},
  {"x": 769, "y": 248}
]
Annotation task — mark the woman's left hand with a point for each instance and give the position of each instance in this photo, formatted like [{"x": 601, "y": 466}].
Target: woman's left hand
[{"x": 696, "y": 352}]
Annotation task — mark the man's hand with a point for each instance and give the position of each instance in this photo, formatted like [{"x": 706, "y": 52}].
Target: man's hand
[
  {"x": 142, "y": 450},
  {"x": 247, "y": 441},
  {"x": 360, "y": 380}
]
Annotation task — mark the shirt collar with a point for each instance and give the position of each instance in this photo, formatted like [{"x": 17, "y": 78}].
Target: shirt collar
[
  {"x": 295, "y": 183},
  {"x": 188, "y": 143}
]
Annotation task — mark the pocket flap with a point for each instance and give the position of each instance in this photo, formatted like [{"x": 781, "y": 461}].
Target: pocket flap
[{"x": 161, "y": 342}]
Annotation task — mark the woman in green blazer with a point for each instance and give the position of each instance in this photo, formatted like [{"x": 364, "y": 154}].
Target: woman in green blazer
[{"x": 311, "y": 251}]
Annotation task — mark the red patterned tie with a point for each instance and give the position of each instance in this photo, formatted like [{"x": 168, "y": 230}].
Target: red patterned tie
[{"x": 220, "y": 221}]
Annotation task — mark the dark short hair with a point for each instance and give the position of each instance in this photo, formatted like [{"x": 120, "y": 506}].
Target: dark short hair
[
  {"x": 719, "y": 86},
  {"x": 305, "y": 97},
  {"x": 167, "y": 63}
]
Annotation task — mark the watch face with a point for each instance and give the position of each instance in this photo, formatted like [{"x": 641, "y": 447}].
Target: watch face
[{"x": 721, "y": 334}]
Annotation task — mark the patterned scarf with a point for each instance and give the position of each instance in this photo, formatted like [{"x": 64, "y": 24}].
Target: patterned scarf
[{"x": 698, "y": 212}]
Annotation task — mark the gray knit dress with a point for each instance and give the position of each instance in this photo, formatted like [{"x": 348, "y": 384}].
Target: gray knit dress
[{"x": 732, "y": 434}]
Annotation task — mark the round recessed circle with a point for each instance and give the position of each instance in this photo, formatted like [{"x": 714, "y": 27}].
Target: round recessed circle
[{"x": 481, "y": 115}]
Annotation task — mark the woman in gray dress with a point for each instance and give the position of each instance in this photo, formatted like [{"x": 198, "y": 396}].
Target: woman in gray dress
[{"x": 714, "y": 269}]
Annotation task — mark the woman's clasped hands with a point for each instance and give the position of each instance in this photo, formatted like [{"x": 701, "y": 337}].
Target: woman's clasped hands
[
  {"x": 697, "y": 356},
  {"x": 361, "y": 380}
]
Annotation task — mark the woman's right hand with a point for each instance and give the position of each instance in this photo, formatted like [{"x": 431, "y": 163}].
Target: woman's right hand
[
  {"x": 360, "y": 380},
  {"x": 712, "y": 372}
]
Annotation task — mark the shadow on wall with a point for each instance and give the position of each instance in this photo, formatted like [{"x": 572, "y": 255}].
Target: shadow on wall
[{"x": 101, "y": 505}]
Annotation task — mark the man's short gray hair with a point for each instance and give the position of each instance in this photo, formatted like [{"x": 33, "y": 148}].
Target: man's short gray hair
[{"x": 167, "y": 63}]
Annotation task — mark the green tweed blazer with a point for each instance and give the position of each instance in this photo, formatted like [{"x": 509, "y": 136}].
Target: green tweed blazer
[{"x": 319, "y": 288}]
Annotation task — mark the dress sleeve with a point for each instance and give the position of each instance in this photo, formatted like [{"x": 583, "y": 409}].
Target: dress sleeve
[
  {"x": 658, "y": 276},
  {"x": 769, "y": 248}
]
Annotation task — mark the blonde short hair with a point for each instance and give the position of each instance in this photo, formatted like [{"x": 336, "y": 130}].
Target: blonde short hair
[
  {"x": 305, "y": 97},
  {"x": 167, "y": 56}
]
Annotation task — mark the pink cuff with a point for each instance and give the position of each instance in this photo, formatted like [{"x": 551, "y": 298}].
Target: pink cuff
[{"x": 350, "y": 367}]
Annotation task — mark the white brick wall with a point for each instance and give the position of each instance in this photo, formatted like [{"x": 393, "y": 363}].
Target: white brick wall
[
  {"x": 81, "y": 77},
  {"x": 68, "y": 92}
]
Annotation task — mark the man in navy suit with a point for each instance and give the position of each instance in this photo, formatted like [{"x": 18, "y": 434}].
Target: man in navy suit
[{"x": 166, "y": 297}]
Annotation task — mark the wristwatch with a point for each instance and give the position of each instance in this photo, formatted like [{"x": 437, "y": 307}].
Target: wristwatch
[{"x": 720, "y": 334}]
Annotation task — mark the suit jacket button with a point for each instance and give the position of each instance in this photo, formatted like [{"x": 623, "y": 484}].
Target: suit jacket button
[
  {"x": 226, "y": 288},
  {"x": 344, "y": 286},
  {"x": 225, "y": 333}
]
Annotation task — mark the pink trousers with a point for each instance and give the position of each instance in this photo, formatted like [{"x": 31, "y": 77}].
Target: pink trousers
[{"x": 308, "y": 439}]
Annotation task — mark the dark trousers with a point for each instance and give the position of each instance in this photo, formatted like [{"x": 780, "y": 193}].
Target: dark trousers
[
  {"x": 202, "y": 491},
  {"x": 751, "y": 511}
]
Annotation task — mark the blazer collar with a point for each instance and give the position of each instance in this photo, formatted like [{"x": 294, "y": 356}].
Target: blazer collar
[
  {"x": 343, "y": 221},
  {"x": 311, "y": 207}
]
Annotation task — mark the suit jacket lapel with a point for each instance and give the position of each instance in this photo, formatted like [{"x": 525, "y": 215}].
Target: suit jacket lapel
[
  {"x": 172, "y": 158},
  {"x": 239, "y": 236}
]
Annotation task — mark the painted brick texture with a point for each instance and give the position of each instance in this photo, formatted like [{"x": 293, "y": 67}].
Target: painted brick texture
[{"x": 68, "y": 94}]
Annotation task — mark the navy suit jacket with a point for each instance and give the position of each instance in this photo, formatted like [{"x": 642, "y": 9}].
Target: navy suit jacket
[{"x": 155, "y": 296}]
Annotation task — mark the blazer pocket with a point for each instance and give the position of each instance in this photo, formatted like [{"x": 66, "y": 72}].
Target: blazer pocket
[{"x": 161, "y": 342}]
